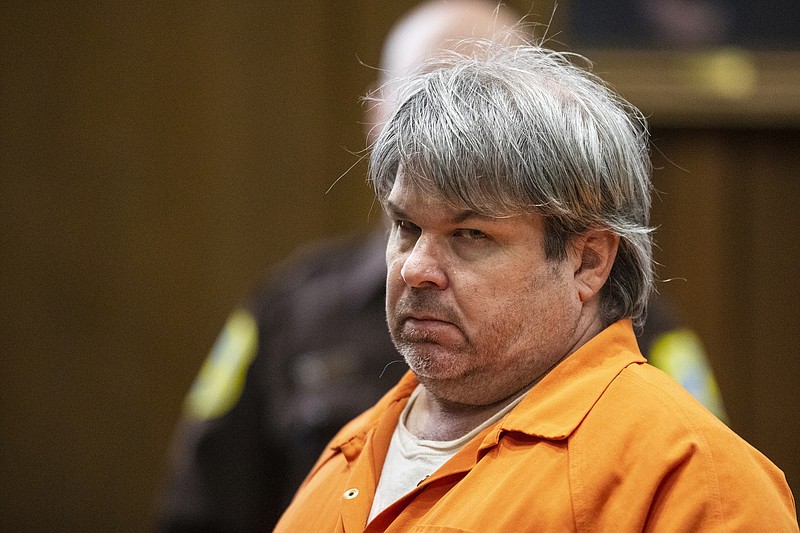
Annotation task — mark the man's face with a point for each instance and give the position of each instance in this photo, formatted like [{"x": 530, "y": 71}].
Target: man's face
[{"x": 473, "y": 305}]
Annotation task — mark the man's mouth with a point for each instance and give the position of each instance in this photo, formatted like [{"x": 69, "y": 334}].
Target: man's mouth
[
  {"x": 426, "y": 317},
  {"x": 428, "y": 328}
]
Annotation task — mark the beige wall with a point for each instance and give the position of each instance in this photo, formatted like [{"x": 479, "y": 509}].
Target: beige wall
[{"x": 156, "y": 157}]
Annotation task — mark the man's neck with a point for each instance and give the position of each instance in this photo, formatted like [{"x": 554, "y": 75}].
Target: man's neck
[{"x": 433, "y": 418}]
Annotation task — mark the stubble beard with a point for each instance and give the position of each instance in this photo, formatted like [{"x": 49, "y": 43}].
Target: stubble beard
[
  {"x": 458, "y": 372},
  {"x": 425, "y": 352}
]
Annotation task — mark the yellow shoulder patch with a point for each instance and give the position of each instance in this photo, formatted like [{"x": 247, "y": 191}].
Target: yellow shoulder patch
[
  {"x": 680, "y": 354},
  {"x": 221, "y": 379}
]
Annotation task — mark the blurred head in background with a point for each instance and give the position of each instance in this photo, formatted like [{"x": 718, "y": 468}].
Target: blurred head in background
[{"x": 424, "y": 33}]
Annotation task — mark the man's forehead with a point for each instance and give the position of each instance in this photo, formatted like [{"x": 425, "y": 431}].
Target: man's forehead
[
  {"x": 407, "y": 199},
  {"x": 407, "y": 194},
  {"x": 404, "y": 210}
]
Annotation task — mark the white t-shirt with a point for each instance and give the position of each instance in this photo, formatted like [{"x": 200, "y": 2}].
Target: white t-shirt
[{"x": 409, "y": 460}]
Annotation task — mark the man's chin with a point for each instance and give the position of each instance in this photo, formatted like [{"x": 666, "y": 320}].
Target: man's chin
[{"x": 431, "y": 361}]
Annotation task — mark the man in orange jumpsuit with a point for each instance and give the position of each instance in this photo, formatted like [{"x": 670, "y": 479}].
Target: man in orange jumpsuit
[
  {"x": 519, "y": 258},
  {"x": 308, "y": 350}
]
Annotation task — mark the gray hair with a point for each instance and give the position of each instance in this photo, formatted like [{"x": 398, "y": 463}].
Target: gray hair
[{"x": 502, "y": 130}]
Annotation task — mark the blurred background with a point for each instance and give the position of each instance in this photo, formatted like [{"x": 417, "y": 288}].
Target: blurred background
[{"x": 157, "y": 157}]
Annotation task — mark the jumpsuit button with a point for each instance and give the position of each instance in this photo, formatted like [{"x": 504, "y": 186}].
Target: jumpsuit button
[{"x": 349, "y": 494}]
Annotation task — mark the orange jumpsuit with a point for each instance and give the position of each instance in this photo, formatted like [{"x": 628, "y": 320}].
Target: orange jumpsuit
[{"x": 604, "y": 442}]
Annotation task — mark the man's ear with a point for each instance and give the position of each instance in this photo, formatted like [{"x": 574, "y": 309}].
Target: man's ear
[{"x": 594, "y": 255}]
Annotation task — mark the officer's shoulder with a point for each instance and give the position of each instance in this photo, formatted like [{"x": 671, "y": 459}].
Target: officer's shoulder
[{"x": 332, "y": 261}]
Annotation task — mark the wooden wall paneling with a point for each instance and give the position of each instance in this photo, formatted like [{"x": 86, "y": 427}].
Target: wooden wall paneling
[
  {"x": 687, "y": 210},
  {"x": 156, "y": 158},
  {"x": 771, "y": 212},
  {"x": 724, "y": 221}
]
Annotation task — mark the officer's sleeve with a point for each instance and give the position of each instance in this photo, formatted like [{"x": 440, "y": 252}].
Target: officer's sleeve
[
  {"x": 680, "y": 354},
  {"x": 219, "y": 465},
  {"x": 675, "y": 349}
]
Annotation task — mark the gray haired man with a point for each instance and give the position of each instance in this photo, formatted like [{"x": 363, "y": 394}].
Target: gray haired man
[{"x": 519, "y": 257}]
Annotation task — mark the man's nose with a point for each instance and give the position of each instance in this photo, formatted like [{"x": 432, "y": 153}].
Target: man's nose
[{"x": 424, "y": 267}]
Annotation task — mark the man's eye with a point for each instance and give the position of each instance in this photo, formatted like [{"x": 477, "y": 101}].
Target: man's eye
[
  {"x": 472, "y": 234},
  {"x": 405, "y": 226}
]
